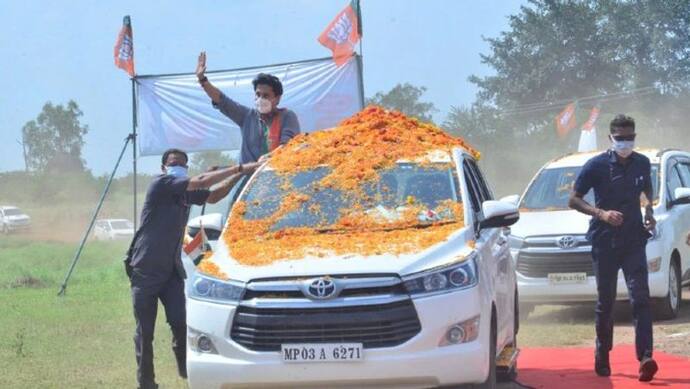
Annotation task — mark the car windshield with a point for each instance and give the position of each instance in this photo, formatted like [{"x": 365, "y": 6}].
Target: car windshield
[
  {"x": 13, "y": 212},
  {"x": 423, "y": 194},
  {"x": 551, "y": 189},
  {"x": 121, "y": 225}
]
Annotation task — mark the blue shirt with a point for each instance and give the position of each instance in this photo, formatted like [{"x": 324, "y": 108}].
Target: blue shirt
[
  {"x": 253, "y": 137},
  {"x": 616, "y": 187},
  {"x": 156, "y": 247}
]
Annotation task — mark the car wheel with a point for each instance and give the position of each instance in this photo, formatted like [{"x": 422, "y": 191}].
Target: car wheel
[
  {"x": 490, "y": 382},
  {"x": 667, "y": 308}
]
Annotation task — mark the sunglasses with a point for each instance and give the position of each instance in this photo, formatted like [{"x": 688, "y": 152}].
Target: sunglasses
[{"x": 623, "y": 138}]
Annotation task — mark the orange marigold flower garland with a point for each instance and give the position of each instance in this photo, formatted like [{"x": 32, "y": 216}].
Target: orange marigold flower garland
[{"x": 356, "y": 150}]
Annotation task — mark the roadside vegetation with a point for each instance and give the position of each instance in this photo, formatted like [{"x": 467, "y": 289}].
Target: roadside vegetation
[{"x": 80, "y": 340}]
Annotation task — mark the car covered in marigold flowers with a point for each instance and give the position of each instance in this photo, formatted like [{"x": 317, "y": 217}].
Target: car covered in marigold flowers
[{"x": 371, "y": 254}]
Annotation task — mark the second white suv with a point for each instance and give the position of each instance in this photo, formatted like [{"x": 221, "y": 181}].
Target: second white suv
[{"x": 553, "y": 257}]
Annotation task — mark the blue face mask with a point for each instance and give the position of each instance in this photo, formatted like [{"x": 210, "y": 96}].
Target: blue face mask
[
  {"x": 623, "y": 148},
  {"x": 176, "y": 171}
]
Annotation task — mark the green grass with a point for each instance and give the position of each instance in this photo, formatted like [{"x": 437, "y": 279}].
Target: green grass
[{"x": 80, "y": 340}]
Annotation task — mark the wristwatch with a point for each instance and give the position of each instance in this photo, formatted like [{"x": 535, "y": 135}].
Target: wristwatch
[
  {"x": 203, "y": 80},
  {"x": 240, "y": 168}
]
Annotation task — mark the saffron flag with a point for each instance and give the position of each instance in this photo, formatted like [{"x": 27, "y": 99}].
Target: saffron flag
[
  {"x": 343, "y": 33},
  {"x": 589, "y": 124},
  {"x": 197, "y": 247},
  {"x": 124, "y": 48},
  {"x": 565, "y": 121},
  {"x": 588, "y": 136}
]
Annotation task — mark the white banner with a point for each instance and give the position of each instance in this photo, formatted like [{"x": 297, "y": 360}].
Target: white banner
[
  {"x": 588, "y": 140},
  {"x": 173, "y": 110}
]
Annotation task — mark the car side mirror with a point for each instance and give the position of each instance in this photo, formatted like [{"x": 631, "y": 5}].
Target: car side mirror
[
  {"x": 681, "y": 196},
  {"x": 512, "y": 199},
  {"x": 499, "y": 214}
]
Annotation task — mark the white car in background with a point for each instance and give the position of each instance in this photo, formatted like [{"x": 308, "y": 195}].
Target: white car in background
[
  {"x": 553, "y": 257},
  {"x": 439, "y": 316},
  {"x": 113, "y": 229},
  {"x": 13, "y": 219}
]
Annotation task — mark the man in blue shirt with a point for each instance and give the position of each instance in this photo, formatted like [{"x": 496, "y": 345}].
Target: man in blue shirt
[
  {"x": 264, "y": 127},
  {"x": 619, "y": 236},
  {"x": 154, "y": 263}
]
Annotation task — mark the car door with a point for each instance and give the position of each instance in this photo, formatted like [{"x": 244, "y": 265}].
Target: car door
[
  {"x": 492, "y": 245},
  {"x": 682, "y": 223}
]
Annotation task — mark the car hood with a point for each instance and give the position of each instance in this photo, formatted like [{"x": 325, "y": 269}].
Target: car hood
[
  {"x": 454, "y": 249},
  {"x": 540, "y": 223}
]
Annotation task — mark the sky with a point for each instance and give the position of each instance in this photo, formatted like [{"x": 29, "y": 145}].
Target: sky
[{"x": 61, "y": 50}]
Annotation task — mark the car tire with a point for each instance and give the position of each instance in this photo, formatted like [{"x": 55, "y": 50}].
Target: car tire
[
  {"x": 668, "y": 307},
  {"x": 490, "y": 382}
]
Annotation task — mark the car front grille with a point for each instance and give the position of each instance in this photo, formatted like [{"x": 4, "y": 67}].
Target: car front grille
[
  {"x": 539, "y": 265},
  {"x": 540, "y": 256},
  {"x": 375, "y": 315}
]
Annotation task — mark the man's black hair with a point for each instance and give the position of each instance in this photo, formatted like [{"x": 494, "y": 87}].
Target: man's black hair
[
  {"x": 270, "y": 80},
  {"x": 622, "y": 121},
  {"x": 167, "y": 152}
]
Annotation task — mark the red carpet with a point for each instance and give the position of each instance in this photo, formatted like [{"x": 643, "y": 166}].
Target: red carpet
[{"x": 573, "y": 368}]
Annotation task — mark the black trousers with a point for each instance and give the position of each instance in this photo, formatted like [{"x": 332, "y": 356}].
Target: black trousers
[
  {"x": 145, "y": 296},
  {"x": 633, "y": 261}
]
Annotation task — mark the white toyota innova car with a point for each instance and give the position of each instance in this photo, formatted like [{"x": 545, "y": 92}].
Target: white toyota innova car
[
  {"x": 553, "y": 258},
  {"x": 442, "y": 315}
]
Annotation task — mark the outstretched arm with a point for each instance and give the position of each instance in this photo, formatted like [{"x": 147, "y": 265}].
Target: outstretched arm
[
  {"x": 222, "y": 190},
  {"x": 211, "y": 91},
  {"x": 208, "y": 179}
]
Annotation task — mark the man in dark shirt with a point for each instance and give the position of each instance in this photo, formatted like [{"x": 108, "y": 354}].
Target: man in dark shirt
[
  {"x": 154, "y": 263},
  {"x": 263, "y": 128},
  {"x": 619, "y": 236}
]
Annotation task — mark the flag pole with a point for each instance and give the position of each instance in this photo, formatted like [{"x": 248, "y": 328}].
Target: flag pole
[
  {"x": 360, "y": 58},
  {"x": 134, "y": 152},
  {"x": 360, "y": 27}
]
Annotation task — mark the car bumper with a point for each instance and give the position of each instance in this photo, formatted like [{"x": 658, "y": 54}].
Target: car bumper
[
  {"x": 18, "y": 227},
  {"x": 540, "y": 290},
  {"x": 418, "y": 363}
]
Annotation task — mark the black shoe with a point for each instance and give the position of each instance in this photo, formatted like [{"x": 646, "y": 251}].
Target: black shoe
[
  {"x": 648, "y": 368},
  {"x": 601, "y": 364}
]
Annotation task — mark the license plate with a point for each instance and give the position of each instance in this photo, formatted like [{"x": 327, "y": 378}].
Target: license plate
[
  {"x": 322, "y": 352},
  {"x": 567, "y": 278}
]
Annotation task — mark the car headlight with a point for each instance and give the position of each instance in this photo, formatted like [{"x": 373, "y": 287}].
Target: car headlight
[
  {"x": 210, "y": 289},
  {"x": 443, "y": 280}
]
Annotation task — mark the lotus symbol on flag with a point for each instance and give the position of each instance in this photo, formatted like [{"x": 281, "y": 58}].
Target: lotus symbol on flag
[
  {"x": 566, "y": 118},
  {"x": 126, "y": 49},
  {"x": 341, "y": 29}
]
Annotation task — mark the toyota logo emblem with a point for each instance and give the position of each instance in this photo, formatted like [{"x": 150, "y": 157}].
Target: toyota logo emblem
[
  {"x": 566, "y": 242},
  {"x": 321, "y": 289}
]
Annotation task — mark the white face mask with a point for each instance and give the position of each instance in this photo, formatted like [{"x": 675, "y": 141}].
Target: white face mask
[
  {"x": 176, "y": 171},
  {"x": 263, "y": 105},
  {"x": 623, "y": 148}
]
